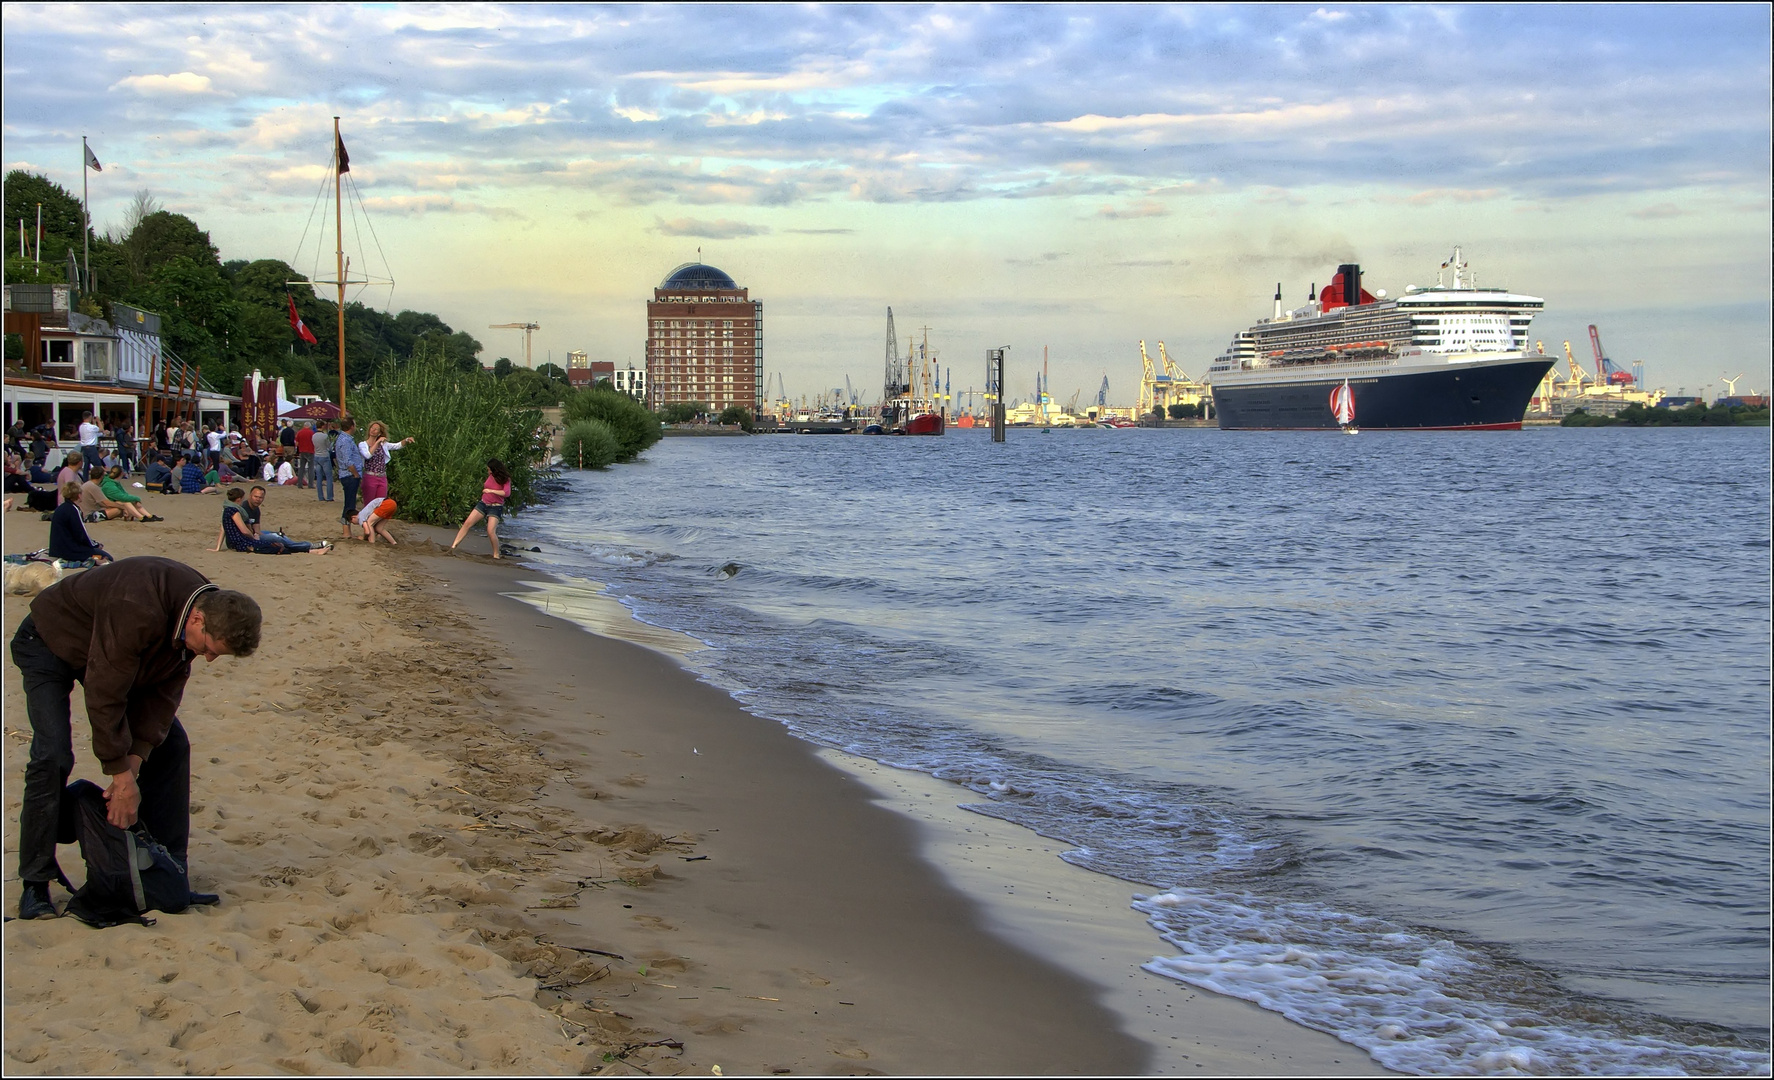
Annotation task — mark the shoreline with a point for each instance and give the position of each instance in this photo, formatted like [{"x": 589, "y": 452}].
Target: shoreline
[
  {"x": 1022, "y": 893},
  {"x": 453, "y": 833}
]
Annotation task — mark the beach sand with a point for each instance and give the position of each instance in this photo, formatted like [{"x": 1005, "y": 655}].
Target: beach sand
[{"x": 452, "y": 833}]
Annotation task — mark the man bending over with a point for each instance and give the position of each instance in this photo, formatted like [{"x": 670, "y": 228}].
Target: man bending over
[{"x": 127, "y": 632}]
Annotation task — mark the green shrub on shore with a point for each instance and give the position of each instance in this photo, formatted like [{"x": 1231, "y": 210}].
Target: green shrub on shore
[
  {"x": 633, "y": 425},
  {"x": 1695, "y": 415},
  {"x": 590, "y": 444},
  {"x": 737, "y": 414},
  {"x": 457, "y": 419}
]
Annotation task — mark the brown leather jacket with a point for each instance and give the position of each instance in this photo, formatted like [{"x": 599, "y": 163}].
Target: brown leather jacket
[{"x": 124, "y": 624}]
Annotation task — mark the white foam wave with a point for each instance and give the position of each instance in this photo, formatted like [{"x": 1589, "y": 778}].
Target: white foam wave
[{"x": 1406, "y": 998}]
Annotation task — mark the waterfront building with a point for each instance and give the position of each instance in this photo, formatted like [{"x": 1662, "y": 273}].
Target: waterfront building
[
  {"x": 631, "y": 380},
  {"x": 705, "y": 341},
  {"x": 586, "y": 372}
]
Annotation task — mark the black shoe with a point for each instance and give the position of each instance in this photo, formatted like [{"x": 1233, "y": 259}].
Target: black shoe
[{"x": 34, "y": 902}]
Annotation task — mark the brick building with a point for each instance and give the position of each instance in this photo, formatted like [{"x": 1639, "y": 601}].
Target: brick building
[{"x": 705, "y": 341}]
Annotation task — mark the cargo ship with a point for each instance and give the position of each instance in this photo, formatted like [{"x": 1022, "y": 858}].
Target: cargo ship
[{"x": 1448, "y": 356}]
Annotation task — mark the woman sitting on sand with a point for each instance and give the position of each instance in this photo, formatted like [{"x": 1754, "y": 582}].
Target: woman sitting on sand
[
  {"x": 68, "y": 540},
  {"x": 494, "y": 490},
  {"x": 112, "y": 486},
  {"x": 242, "y": 535}
]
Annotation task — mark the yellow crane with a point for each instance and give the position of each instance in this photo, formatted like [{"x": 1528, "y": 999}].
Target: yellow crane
[
  {"x": 527, "y": 327},
  {"x": 1154, "y": 386}
]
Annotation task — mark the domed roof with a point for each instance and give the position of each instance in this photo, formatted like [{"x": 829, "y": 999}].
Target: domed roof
[{"x": 695, "y": 275}]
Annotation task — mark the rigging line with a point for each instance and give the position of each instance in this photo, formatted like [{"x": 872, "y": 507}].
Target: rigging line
[
  {"x": 357, "y": 208},
  {"x": 312, "y": 210},
  {"x": 386, "y": 267}
]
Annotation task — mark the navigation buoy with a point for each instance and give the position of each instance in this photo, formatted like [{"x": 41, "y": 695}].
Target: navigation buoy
[{"x": 1342, "y": 403}]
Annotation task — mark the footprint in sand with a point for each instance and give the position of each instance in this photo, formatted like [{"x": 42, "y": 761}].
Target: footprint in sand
[
  {"x": 653, "y": 922},
  {"x": 808, "y": 978},
  {"x": 633, "y": 779}
]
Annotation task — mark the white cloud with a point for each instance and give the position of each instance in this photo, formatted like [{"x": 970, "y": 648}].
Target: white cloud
[
  {"x": 183, "y": 82},
  {"x": 720, "y": 229}
]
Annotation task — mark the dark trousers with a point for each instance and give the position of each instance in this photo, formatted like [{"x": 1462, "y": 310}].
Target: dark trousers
[
  {"x": 349, "y": 483},
  {"x": 165, "y": 780}
]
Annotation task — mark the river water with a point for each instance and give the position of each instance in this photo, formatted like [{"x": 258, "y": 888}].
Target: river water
[{"x": 1455, "y": 746}]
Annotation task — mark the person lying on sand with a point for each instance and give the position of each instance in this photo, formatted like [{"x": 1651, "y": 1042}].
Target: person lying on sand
[
  {"x": 112, "y": 486},
  {"x": 127, "y": 632},
  {"x": 95, "y": 505}
]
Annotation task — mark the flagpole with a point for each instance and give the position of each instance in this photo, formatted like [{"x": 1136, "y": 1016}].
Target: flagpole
[
  {"x": 339, "y": 227},
  {"x": 86, "y": 210}
]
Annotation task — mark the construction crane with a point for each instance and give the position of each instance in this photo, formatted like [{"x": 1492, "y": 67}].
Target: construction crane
[
  {"x": 1606, "y": 371},
  {"x": 1102, "y": 393},
  {"x": 1154, "y": 387},
  {"x": 527, "y": 327},
  {"x": 1578, "y": 375}
]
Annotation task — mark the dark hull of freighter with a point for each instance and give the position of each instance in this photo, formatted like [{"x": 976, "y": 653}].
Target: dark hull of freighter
[{"x": 1459, "y": 397}]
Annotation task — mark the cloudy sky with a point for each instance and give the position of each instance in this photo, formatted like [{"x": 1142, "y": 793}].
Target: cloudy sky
[{"x": 1074, "y": 178}]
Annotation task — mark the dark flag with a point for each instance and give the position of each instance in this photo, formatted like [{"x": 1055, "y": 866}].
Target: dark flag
[
  {"x": 92, "y": 160},
  {"x": 344, "y": 158}
]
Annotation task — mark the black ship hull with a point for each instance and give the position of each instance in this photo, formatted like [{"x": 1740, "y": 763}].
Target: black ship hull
[{"x": 1488, "y": 397}]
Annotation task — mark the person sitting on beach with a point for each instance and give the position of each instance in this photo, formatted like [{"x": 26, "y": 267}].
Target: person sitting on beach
[
  {"x": 158, "y": 475},
  {"x": 95, "y": 505},
  {"x": 127, "y": 633},
  {"x": 68, "y": 540},
  {"x": 18, "y": 483},
  {"x": 192, "y": 481},
  {"x": 374, "y": 517},
  {"x": 494, "y": 490},
  {"x": 240, "y": 534},
  {"x": 286, "y": 473},
  {"x": 112, "y": 486},
  {"x": 70, "y": 470}
]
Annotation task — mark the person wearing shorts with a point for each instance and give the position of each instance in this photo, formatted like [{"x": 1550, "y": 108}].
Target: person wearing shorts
[{"x": 494, "y": 490}]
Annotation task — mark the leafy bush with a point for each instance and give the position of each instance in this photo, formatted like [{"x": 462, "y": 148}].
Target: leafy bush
[
  {"x": 737, "y": 414},
  {"x": 590, "y": 444},
  {"x": 457, "y": 419},
  {"x": 682, "y": 412},
  {"x": 634, "y": 426}
]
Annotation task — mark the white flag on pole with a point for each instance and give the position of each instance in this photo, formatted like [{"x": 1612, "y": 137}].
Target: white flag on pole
[{"x": 92, "y": 160}]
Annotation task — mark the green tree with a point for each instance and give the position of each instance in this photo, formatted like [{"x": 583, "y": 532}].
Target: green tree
[
  {"x": 61, "y": 216},
  {"x": 502, "y": 367},
  {"x": 552, "y": 371},
  {"x": 683, "y": 411},
  {"x": 737, "y": 414}
]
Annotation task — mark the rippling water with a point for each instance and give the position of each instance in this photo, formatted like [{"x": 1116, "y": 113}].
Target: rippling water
[{"x": 1454, "y": 745}]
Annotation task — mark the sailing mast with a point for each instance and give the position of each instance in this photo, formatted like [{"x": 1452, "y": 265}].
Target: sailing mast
[{"x": 342, "y": 164}]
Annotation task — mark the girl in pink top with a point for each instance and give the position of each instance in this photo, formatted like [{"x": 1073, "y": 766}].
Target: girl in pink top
[{"x": 494, "y": 490}]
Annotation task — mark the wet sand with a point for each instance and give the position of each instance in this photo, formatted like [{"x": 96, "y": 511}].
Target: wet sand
[{"x": 453, "y": 833}]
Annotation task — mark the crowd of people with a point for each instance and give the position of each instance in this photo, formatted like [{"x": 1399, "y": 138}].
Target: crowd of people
[{"x": 326, "y": 456}]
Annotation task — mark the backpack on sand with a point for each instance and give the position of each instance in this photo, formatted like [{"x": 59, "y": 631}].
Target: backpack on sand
[{"x": 128, "y": 872}]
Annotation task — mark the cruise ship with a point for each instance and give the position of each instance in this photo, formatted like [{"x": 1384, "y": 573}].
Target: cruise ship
[{"x": 1440, "y": 357}]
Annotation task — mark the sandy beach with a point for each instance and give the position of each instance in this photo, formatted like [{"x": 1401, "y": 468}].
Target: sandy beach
[{"x": 455, "y": 832}]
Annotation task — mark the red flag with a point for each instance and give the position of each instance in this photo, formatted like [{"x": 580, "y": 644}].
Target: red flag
[{"x": 300, "y": 327}]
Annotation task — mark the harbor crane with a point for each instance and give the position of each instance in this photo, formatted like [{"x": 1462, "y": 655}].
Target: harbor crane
[
  {"x": 1607, "y": 372},
  {"x": 527, "y": 327},
  {"x": 1102, "y": 393}
]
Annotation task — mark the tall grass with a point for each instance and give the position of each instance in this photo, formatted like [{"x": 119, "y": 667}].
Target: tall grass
[
  {"x": 634, "y": 426},
  {"x": 458, "y": 419}
]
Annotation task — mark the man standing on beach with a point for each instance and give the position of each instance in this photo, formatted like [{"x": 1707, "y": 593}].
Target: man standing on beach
[
  {"x": 323, "y": 462},
  {"x": 127, "y": 632},
  {"x": 348, "y": 456},
  {"x": 305, "y": 455}
]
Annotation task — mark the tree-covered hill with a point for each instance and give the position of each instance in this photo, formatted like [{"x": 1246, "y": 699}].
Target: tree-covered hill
[{"x": 230, "y": 317}]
